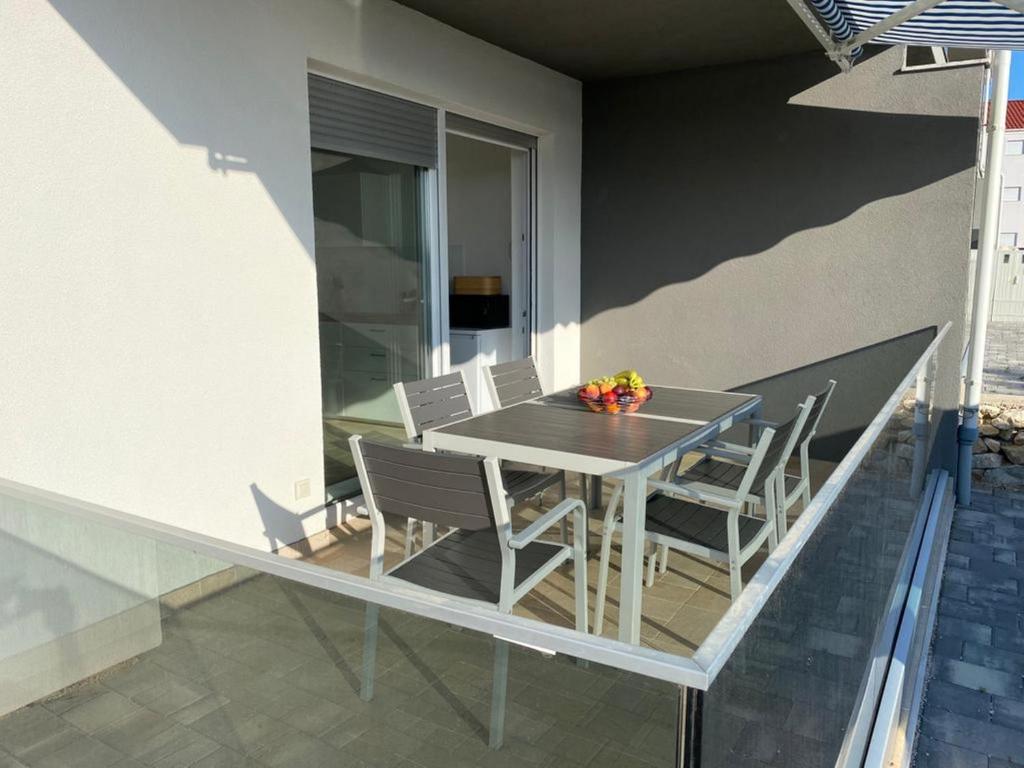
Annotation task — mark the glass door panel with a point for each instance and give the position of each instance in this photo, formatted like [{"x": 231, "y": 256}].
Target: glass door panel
[{"x": 371, "y": 288}]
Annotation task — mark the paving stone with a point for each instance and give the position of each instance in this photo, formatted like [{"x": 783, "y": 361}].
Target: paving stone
[
  {"x": 969, "y": 733},
  {"x": 950, "y": 626},
  {"x": 956, "y": 698},
  {"x": 1008, "y": 712},
  {"x": 83, "y": 752},
  {"x": 133, "y": 735},
  {"x": 994, "y": 658},
  {"x": 100, "y": 711},
  {"x": 931, "y": 753},
  {"x": 979, "y": 678}
]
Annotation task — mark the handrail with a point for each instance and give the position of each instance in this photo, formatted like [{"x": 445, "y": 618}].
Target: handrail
[{"x": 719, "y": 646}]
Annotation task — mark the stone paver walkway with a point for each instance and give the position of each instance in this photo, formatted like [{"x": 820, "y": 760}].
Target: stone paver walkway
[
  {"x": 973, "y": 716},
  {"x": 1004, "y": 359}
]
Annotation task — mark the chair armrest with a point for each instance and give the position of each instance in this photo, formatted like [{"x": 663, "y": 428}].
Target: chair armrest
[
  {"x": 545, "y": 521},
  {"x": 691, "y": 492},
  {"x": 733, "y": 451}
]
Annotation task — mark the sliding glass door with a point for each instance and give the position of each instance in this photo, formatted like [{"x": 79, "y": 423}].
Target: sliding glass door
[{"x": 371, "y": 284}]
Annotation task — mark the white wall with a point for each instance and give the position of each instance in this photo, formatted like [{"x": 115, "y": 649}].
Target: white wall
[
  {"x": 157, "y": 290},
  {"x": 1012, "y": 220}
]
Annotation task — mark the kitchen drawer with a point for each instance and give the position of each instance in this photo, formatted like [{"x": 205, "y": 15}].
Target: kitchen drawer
[
  {"x": 370, "y": 335},
  {"x": 367, "y": 360},
  {"x": 370, "y": 396}
]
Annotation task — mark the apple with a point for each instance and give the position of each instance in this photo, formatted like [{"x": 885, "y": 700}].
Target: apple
[
  {"x": 609, "y": 397},
  {"x": 620, "y": 390}
]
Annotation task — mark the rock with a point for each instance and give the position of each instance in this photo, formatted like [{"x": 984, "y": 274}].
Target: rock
[
  {"x": 987, "y": 430},
  {"x": 1018, "y": 439},
  {"x": 1015, "y": 453},
  {"x": 1005, "y": 477},
  {"x": 911, "y": 403},
  {"x": 905, "y": 451},
  {"x": 1015, "y": 417},
  {"x": 1006, "y": 434},
  {"x": 905, "y": 436},
  {"x": 1002, "y": 423},
  {"x": 987, "y": 461},
  {"x": 979, "y": 447},
  {"x": 994, "y": 445},
  {"x": 989, "y": 410}
]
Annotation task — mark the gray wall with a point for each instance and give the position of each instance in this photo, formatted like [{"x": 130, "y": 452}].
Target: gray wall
[{"x": 769, "y": 226}]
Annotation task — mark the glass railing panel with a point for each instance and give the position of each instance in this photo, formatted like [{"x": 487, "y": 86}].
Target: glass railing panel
[
  {"x": 118, "y": 649},
  {"x": 791, "y": 691}
]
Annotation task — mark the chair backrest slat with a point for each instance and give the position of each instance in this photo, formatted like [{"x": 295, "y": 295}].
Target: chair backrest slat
[
  {"x": 444, "y": 489},
  {"x": 782, "y": 443},
  {"x": 814, "y": 417},
  {"x": 514, "y": 382},
  {"x": 434, "y": 402}
]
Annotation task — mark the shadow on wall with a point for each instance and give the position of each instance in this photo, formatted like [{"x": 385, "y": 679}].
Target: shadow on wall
[
  {"x": 864, "y": 377},
  {"x": 173, "y": 62},
  {"x": 710, "y": 167}
]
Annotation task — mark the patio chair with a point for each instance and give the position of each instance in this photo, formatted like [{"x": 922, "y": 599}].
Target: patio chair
[
  {"x": 429, "y": 403},
  {"x": 688, "y": 517},
  {"x": 713, "y": 470},
  {"x": 481, "y": 560},
  {"x": 514, "y": 383}
]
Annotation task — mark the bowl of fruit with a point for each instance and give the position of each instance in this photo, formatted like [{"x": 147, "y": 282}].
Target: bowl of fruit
[{"x": 624, "y": 392}]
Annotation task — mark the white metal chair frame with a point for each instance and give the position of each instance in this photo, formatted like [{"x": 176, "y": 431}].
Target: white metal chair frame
[
  {"x": 414, "y": 435},
  {"x": 734, "y": 503},
  {"x": 509, "y": 595},
  {"x": 801, "y": 490}
]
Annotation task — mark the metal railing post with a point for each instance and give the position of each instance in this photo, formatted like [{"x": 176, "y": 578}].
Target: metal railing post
[
  {"x": 982, "y": 306},
  {"x": 689, "y": 727}
]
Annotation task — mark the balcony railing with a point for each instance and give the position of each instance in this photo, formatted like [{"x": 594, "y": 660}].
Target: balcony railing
[{"x": 123, "y": 639}]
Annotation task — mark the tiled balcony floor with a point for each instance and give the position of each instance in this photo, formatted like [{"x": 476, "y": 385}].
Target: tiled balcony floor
[{"x": 679, "y": 610}]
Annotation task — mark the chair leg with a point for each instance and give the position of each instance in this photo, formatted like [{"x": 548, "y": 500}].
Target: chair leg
[
  {"x": 428, "y": 534},
  {"x": 499, "y": 694},
  {"x": 771, "y": 515},
  {"x": 579, "y": 571},
  {"x": 606, "y": 553},
  {"x": 370, "y": 622},
  {"x": 563, "y": 524},
  {"x": 410, "y": 536},
  {"x": 806, "y": 495},
  {"x": 652, "y": 561},
  {"x": 663, "y": 554},
  {"x": 735, "y": 575}
]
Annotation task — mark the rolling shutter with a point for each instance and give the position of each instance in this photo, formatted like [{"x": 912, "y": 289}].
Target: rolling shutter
[{"x": 357, "y": 121}]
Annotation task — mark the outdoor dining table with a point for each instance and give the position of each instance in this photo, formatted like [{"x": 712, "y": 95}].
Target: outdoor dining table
[{"x": 559, "y": 432}]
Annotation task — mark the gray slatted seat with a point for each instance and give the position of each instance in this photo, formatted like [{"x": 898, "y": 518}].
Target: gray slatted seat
[
  {"x": 468, "y": 564},
  {"x": 725, "y": 474},
  {"x": 703, "y": 526},
  {"x": 481, "y": 559}
]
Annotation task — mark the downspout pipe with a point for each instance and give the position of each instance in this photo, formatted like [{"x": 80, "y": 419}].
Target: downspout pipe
[{"x": 987, "y": 243}]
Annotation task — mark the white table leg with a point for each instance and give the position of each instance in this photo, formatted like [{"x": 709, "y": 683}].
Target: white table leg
[{"x": 634, "y": 498}]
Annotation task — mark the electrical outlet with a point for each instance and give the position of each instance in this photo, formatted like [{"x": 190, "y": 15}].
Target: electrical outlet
[{"x": 302, "y": 488}]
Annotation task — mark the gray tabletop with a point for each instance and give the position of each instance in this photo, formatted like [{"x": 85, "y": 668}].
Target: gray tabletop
[{"x": 560, "y": 423}]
